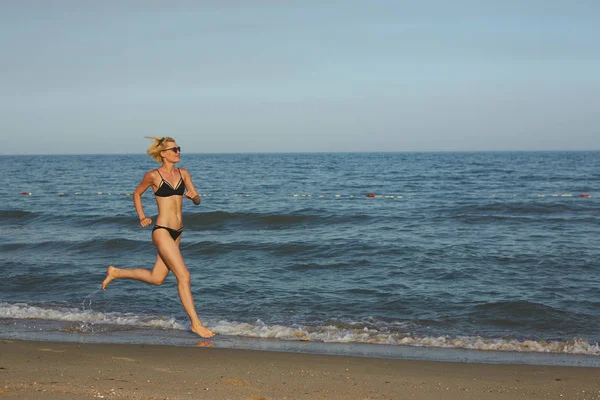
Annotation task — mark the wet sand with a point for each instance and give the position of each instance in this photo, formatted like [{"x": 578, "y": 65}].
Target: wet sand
[{"x": 69, "y": 371}]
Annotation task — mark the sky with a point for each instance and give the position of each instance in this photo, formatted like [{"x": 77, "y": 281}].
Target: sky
[{"x": 230, "y": 76}]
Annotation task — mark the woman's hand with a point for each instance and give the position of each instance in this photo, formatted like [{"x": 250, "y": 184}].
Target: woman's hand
[
  {"x": 195, "y": 197},
  {"x": 145, "y": 221}
]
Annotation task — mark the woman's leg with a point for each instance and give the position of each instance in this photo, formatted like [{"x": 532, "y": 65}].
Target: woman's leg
[
  {"x": 170, "y": 254},
  {"x": 156, "y": 276}
]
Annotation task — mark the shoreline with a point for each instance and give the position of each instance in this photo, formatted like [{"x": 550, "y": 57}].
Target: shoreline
[
  {"x": 60, "y": 370},
  {"x": 68, "y": 332},
  {"x": 86, "y": 333}
]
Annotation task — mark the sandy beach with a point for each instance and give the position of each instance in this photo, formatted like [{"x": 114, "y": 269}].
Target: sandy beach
[{"x": 47, "y": 370}]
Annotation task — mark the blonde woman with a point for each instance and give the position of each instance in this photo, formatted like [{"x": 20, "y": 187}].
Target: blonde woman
[{"x": 170, "y": 185}]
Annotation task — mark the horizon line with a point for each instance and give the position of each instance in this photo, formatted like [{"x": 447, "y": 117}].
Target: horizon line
[{"x": 316, "y": 152}]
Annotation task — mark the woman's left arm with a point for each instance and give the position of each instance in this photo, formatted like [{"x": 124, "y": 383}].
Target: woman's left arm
[{"x": 191, "y": 192}]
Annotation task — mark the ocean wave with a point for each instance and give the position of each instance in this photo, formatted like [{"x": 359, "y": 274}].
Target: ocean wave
[
  {"x": 219, "y": 219},
  {"x": 527, "y": 208},
  {"x": 307, "y": 266},
  {"x": 529, "y": 317},
  {"x": 88, "y": 245},
  {"x": 212, "y": 247},
  {"x": 125, "y": 220},
  {"x": 25, "y": 311},
  {"x": 110, "y": 244},
  {"x": 540, "y": 213},
  {"x": 334, "y": 333},
  {"x": 286, "y": 249},
  {"x": 519, "y": 310},
  {"x": 44, "y": 246},
  {"x": 501, "y": 210},
  {"x": 19, "y": 215}
]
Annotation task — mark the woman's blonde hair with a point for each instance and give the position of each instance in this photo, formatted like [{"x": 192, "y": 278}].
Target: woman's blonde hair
[{"x": 157, "y": 146}]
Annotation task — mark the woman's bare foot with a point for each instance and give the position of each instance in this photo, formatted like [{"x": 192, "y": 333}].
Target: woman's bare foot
[
  {"x": 110, "y": 276},
  {"x": 202, "y": 331}
]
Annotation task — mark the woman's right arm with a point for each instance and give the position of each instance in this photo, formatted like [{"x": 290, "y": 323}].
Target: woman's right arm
[{"x": 137, "y": 198}]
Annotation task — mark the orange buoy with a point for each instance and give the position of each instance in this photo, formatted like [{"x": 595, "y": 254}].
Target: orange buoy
[
  {"x": 370, "y": 194},
  {"x": 584, "y": 195}
]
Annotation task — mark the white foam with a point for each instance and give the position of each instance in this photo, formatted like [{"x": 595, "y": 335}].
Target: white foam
[
  {"x": 25, "y": 311},
  {"x": 332, "y": 334},
  {"x": 325, "y": 334}
]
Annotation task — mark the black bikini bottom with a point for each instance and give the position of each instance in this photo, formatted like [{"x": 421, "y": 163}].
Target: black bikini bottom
[{"x": 173, "y": 232}]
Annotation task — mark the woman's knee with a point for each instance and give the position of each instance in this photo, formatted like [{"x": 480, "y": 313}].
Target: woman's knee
[
  {"x": 158, "y": 281},
  {"x": 184, "y": 277}
]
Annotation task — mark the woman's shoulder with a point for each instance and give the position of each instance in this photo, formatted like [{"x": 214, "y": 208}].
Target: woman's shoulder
[
  {"x": 151, "y": 175},
  {"x": 152, "y": 172},
  {"x": 184, "y": 171}
]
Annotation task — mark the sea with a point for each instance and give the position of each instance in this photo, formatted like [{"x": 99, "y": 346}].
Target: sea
[{"x": 451, "y": 256}]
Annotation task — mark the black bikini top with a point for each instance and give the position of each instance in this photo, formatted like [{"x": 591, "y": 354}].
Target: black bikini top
[{"x": 168, "y": 190}]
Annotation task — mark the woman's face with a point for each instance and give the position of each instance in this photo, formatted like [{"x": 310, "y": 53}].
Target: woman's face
[{"x": 172, "y": 152}]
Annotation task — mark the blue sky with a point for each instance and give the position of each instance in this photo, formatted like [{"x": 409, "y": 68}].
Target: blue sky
[{"x": 294, "y": 76}]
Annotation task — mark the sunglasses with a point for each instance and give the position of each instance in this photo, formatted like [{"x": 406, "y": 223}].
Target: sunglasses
[{"x": 175, "y": 149}]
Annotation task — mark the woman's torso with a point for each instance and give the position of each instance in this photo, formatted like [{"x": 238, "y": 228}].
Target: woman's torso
[{"x": 169, "y": 198}]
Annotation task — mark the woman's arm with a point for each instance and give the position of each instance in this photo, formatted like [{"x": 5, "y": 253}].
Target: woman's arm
[
  {"x": 137, "y": 198},
  {"x": 191, "y": 192}
]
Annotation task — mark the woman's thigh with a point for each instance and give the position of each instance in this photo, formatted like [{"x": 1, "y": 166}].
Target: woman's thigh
[
  {"x": 168, "y": 252},
  {"x": 160, "y": 270}
]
